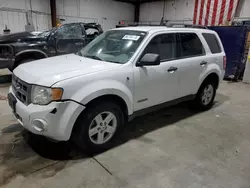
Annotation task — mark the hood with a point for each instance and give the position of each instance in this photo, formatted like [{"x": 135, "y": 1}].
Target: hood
[
  {"x": 48, "y": 71},
  {"x": 20, "y": 37}
]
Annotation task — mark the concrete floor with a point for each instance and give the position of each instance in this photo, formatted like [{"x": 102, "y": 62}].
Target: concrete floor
[{"x": 173, "y": 147}]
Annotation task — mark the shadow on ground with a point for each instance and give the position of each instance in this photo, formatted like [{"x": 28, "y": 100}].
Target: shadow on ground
[{"x": 24, "y": 153}]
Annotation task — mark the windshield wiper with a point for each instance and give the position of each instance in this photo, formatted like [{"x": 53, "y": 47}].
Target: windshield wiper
[{"x": 93, "y": 57}]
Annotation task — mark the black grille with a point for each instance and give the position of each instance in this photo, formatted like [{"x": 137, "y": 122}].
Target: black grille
[
  {"x": 21, "y": 90},
  {"x": 6, "y": 51}
]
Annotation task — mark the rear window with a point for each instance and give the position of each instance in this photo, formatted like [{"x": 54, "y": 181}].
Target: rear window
[
  {"x": 212, "y": 42},
  {"x": 190, "y": 45}
]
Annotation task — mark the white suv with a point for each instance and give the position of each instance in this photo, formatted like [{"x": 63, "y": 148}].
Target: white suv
[{"x": 121, "y": 74}]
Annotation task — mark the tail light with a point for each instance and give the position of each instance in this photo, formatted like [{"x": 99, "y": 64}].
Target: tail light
[{"x": 224, "y": 62}]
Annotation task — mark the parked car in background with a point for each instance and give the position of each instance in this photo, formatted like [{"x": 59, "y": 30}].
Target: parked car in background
[
  {"x": 23, "y": 47},
  {"x": 123, "y": 73}
]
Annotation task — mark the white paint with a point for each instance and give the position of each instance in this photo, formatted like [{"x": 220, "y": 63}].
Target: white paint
[{"x": 85, "y": 79}]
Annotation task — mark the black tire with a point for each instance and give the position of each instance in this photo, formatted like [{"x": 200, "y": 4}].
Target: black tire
[
  {"x": 199, "y": 103},
  {"x": 80, "y": 134},
  {"x": 21, "y": 62}
]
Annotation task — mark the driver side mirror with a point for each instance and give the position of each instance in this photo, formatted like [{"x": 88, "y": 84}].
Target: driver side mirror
[{"x": 149, "y": 60}]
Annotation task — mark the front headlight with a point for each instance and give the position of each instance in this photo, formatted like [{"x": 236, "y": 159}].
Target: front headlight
[{"x": 44, "y": 95}]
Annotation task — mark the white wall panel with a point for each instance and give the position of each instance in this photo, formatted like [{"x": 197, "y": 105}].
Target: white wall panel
[
  {"x": 174, "y": 10},
  {"x": 151, "y": 11},
  {"x": 13, "y": 14},
  {"x": 106, "y": 12},
  {"x": 244, "y": 9},
  {"x": 37, "y": 5},
  {"x": 20, "y": 4},
  {"x": 15, "y": 21},
  {"x": 41, "y": 22}
]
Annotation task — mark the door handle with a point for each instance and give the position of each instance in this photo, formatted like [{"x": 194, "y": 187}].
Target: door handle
[
  {"x": 203, "y": 63},
  {"x": 172, "y": 69}
]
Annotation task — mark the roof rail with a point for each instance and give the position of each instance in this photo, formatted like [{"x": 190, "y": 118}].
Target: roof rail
[
  {"x": 178, "y": 25},
  {"x": 166, "y": 23}
]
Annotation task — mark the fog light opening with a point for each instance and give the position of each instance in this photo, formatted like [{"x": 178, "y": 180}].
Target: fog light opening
[{"x": 39, "y": 125}]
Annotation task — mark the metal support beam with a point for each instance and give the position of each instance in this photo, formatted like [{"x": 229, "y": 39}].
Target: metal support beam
[
  {"x": 53, "y": 12},
  {"x": 137, "y": 12}
]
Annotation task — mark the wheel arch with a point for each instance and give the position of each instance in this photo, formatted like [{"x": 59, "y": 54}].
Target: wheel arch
[
  {"x": 111, "y": 98},
  {"x": 104, "y": 98},
  {"x": 213, "y": 76},
  {"x": 36, "y": 54}
]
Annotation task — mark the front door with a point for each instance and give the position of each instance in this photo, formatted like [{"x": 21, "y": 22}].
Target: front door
[
  {"x": 157, "y": 84},
  {"x": 69, "y": 39}
]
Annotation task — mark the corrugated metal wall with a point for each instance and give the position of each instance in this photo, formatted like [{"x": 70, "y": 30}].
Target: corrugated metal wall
[
  {"x": 108, "y": 13},
  {"x": 41, "y": 21},
  {"x": 15, "y": 14},
  {"x": 174, "y": 10},
  {"x": 14, "y": 19}
]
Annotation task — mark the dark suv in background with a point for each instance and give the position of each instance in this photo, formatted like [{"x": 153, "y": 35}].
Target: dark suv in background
[{"x": 24, "y": 47}]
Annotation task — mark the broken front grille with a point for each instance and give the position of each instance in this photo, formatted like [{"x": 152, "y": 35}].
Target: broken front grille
[
  {"x": 21, "y": 89},
  {"x": 6, "y": 51}
]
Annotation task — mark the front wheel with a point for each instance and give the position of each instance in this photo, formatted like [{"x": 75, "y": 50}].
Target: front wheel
[
  {"x": 205, "y": 97},
  {"x": 98, "y": 126}
]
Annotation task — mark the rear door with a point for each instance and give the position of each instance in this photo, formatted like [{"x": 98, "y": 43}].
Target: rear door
[
  {"x": 216, "y": 49},
  {"x": 192, "y": 62}
]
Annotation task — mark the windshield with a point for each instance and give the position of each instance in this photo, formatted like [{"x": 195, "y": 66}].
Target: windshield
[{"x": 116, "y": 46}]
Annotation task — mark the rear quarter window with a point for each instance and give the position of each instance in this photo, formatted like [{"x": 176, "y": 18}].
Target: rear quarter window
[{"x": 212, "y": 42}]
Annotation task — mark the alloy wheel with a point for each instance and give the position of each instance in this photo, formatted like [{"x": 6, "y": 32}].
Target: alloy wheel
[{"x": 102, "y": 128}]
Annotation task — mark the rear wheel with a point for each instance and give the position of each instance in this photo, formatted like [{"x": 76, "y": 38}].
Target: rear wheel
[
  {"x": 205, "y": 97},
  {"x": 98, "y": 126}
]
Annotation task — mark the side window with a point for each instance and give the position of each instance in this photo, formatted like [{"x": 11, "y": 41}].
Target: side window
[
  {"x": 73, "y": 31},
  {"x": 212, "y": 42},
  {"x": 167, "y": 47},
  {"x": 153, "y": 46},
  {"x": 189, "y": 45},
  {"x": 164, "y": 45}
]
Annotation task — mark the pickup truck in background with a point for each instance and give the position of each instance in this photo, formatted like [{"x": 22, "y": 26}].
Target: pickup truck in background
[{"x": 23, "y": 47}]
